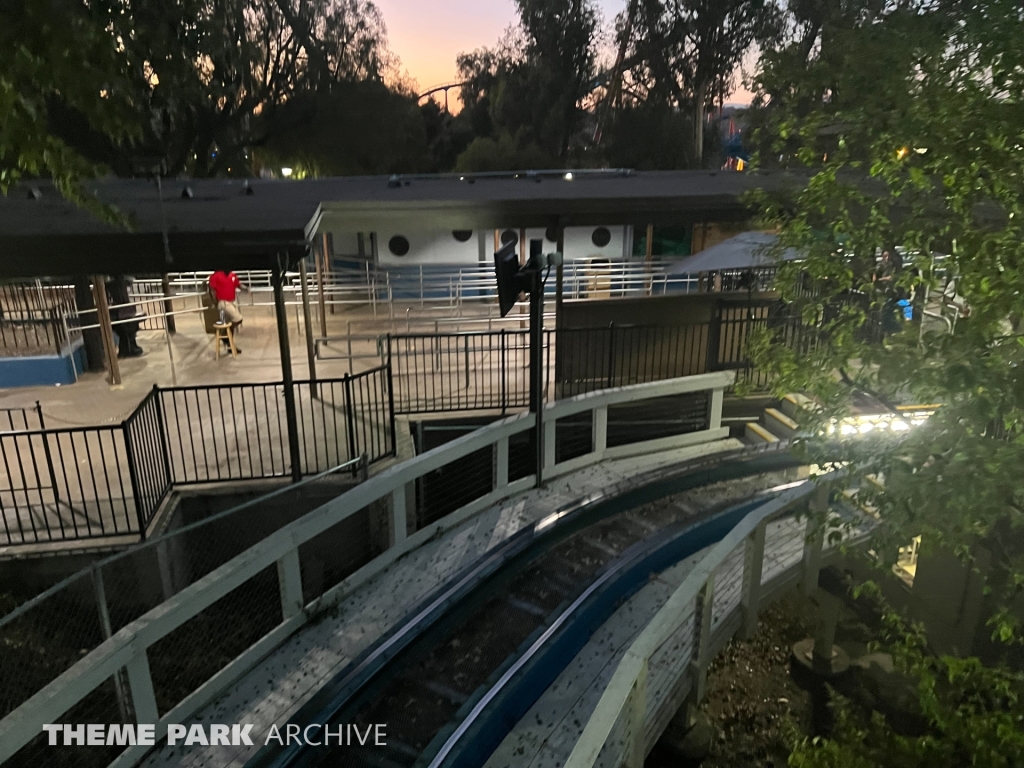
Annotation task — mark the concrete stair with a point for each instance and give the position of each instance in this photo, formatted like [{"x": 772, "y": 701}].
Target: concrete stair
[{"x": 781, "y": 423}]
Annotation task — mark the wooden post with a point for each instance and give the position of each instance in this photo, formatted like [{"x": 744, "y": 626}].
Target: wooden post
[
  {"x": 752, "y": 569},
  {"x": 649, "y": 247},
  {"x": 700, "y": 653},
  {"x": 814, "y": 540},
  {"x": 99, "y": 291},
  {"x": 637, "y": 720},
  {"x": 320, "y": 280}
]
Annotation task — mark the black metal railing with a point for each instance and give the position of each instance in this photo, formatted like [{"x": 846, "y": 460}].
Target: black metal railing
[
  {"x": 64, "y": 484},
  {"x": 226, "y": 432},
  {"x": 149, "y": 463},
  {"x": 240, "y": 432},
  {"x": 22, "y": 419},
  {"x": 36, "y": 319},
  {"x": 93, "y": 482},
  {"x": 461, "y": 371},
  {"x": 490, "y": 369}
]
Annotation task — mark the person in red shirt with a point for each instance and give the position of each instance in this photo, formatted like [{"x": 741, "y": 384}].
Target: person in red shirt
[{"x": 225, "y": 285}]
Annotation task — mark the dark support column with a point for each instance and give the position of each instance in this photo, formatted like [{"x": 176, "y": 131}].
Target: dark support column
[
  {"x": 277, "y": 278},
  {"x": 92, "y": 338},
  {"x": 99, "y": 292},
  {"x": 165, "y": 283}
]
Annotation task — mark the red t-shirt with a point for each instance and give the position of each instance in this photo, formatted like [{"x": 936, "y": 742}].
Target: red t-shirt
[{"x": 224, "y": 285}]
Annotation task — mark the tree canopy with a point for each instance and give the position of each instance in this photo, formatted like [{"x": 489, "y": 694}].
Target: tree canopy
[{"x": 908, "y": 121}]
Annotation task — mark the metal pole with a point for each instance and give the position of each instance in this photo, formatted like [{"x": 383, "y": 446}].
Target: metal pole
[
  {"x": 559, "y": 285},
  {"x": 286, "y": 373},
  {"x": 308, "y": 322},
  {"x": 105, "y": 627},
  {"x": 649, "y": 248},
  {"x": 537, "y": 367},
  {"x": 170, "y": 350},
  {"x": 320, "y": 284}
]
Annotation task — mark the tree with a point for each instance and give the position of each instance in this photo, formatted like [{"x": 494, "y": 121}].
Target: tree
[
  {"x": 909, "y": 127},
  {"x": 356, "y": 128},
  {"x": 974, "y": 714},
  {"x": 528, "y": 92},
  {"x": 685, "y": 53},
  {"x": 56, "y": 52},
  {"x": 207, "y": 78}
]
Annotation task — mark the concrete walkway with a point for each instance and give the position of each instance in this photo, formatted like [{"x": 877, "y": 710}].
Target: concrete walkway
[{"x": 276, "y": 688}]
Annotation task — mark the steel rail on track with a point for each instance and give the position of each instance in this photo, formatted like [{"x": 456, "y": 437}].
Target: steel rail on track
[{"x": 372, "y": 666}]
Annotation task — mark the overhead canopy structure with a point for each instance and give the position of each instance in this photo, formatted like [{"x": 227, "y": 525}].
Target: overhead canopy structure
[
  {"x": 260, "y": 224},
  {"x": 747, "y": 250}
]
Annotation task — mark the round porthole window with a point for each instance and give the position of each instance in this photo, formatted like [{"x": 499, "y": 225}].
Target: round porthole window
[
  {"x": 509, "y": 236},
  {"x": 601, "y": 237},
  {"x": 462, "y": 235},
  {"x": 398, "y": 245},
  {"x": 551, "y": 234}
]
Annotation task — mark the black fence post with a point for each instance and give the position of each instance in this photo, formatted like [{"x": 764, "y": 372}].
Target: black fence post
[
  {"x": 162, "y": 427},
  {"x": 277, "y": 280},
  {"x": 133, "y": 475},
  {"x": 502, "y": 368},
  {"x": 46, "y": 452},
  {"x": 714, "y": 340},
  {"x": 350, "y": 421},
  {"x": 391, "y": 405},
  {"x": 611, "y": 354}
]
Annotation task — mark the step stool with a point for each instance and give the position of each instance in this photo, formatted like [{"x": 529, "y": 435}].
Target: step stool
[{"x": 223, "y": 331}]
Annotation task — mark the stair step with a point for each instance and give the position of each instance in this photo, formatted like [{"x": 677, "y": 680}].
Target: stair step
[
  {"x": 779, "y": 423},
  {"x": 795, "y": 403},
  {"x": 756, "y": 433}
]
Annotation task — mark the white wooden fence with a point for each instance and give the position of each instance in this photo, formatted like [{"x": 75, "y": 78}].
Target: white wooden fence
[
  {"x": 128, "y": 649},
  {"x": 667, "y": 664}
]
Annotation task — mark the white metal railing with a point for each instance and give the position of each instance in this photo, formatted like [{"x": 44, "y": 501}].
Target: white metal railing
[
  {"x": 677, "y": 643},
  {"x": 128, "y": 649}
]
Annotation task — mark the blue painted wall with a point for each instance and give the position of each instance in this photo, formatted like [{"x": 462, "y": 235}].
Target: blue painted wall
[{"x": 43, "y": 370}]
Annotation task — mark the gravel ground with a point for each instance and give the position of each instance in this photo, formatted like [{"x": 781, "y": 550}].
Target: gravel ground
[{"x": 751, "y": 698}]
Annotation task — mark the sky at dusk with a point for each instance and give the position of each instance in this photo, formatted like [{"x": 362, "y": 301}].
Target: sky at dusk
[{"x": 427, "y": 35}]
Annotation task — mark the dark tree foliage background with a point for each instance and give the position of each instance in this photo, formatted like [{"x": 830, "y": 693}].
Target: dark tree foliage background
[{"x": 192, "y": 87}]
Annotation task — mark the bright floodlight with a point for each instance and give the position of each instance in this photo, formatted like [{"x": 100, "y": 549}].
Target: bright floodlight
[
  {"x": 286, "y": 172},
  {"x": 568, "y": 176}
]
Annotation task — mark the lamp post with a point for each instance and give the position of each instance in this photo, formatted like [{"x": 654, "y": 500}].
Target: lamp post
[{"x": 513, "y": 280}]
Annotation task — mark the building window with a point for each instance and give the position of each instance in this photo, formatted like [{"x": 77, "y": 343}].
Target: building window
[
  {"x": 551, "y": 234},
  {"x": 601, "y": 237},
  {"x": 509, "y": 236},
  {"x": 398, "y": 245},
  {"x": 462, "y": 235}
]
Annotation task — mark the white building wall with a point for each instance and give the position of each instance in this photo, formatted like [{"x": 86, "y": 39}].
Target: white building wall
[
  {"x": 441, "y": 247},
  {"x": 428, "y": 248}
]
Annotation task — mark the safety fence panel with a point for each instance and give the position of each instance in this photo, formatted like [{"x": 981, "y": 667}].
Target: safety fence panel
[
  {"x": 148, "y": 457},
  {"x": 226, "y": 432},
  {"x": 62, "y": 484},
  {"x": 343, "y": 419},
  {"x": 22, "y": 419},
  {"x": 460, "y": 371},
  {"x": 36, "y": 319}
]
